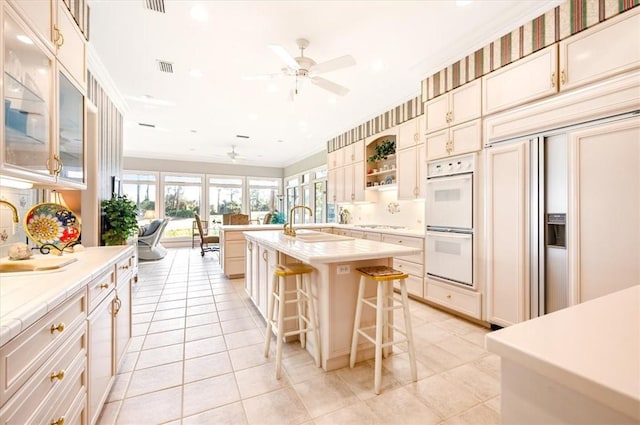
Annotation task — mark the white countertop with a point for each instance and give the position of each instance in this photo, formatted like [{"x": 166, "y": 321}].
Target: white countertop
[
  {"x": 25, "y": 297},
  {"x": 331, "y": 251},
  {"x": 593, "y": 348},
  {"x": 357, "y": 227}
]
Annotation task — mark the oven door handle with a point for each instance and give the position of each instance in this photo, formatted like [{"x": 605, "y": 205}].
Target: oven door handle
[
  {"x": 450, "y": 235},
  {"x": 450, "y": 177}
]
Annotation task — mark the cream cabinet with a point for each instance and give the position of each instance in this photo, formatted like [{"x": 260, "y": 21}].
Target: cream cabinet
[
  {"x": 335, "y": 159},
  {"x": 43, "y": 363},
  {"x": 452, "y": 297},
  {"x": 412, "y": 172},
  {"x": 71, "y": 47},
  {"x": 267, "y": 259},
  {"x": 44, "y": 107},
  {"x": 463, "y": 138},
  {"x": 455, "y": 107},
  {"x": 507, "y": 192},
  {"x": 354, "y": 152},
  {"x": 601, "y": 51},
  {"x": 410, "y": 133},
  {"x": 354, "y": 182},
  {"x": 530, "y": 78},
  {"x": 413, "y": 265},
  {"x": 332, "y": 186},
  {"x": 232, "y": 253}
]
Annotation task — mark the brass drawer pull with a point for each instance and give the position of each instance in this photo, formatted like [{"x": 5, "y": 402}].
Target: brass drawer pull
[
  {"x": 59, "y": 327},
  {"x": 449, "y": 296},
  {"x": 124, "y": 267},
  {"x": 104, "y": 286},
  {"x": 59, "y": 376},
  {"x": 59, "y": 421}
]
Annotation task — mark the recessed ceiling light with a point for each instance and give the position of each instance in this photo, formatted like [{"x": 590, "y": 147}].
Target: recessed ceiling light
[
  {"x": 333, "y": 100},
  {"x": 193, "y": 131},
  {"x": 24, "y": 39},
  {"x": 462, "y": 3},
  {"x": 280, "y": 141},
  {"x": 377, "y": 65},
  {"x": 302, "y": 123},
  {"x": 195, "y": 73},
  {"x": 199, "y": 13},
  {"x": 254, "y": 117},
  {"x": 272, "y": 88}
]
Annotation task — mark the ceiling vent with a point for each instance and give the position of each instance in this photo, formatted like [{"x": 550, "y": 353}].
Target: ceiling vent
[
  {"x": 155, "y": 5},
  {"x": 165, "y": 66},
  {"x": 143, "y": 124},
  {"x": 241, "y": 136}
]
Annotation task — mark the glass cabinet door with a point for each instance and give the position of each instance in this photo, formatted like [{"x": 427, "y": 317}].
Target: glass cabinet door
[
  {"x": 28, "y": 77},
  {"x": 71, "y": 125}
]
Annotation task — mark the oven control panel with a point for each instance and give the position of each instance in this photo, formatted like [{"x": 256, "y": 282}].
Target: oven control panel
[{"x": 456, "y": 165}]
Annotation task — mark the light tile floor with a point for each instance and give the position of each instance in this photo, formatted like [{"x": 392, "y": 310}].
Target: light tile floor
[{"x": 196, "y": 358}]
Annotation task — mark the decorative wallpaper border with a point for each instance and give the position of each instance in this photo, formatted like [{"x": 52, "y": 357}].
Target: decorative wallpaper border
[
  {"x": 557, "y": 24},
  {"x": 395, "y": 116}
]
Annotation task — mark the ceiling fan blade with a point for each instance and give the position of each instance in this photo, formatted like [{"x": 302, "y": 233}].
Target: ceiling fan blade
[
  {"x": 284, "y": 56},
  {"x": 330, "y": 85},
  {"x": 333, "y": 64}
]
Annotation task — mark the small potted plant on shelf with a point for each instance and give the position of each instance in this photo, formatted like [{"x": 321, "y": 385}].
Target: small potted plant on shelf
[
  {"x": 383, "y": 150},
  {"x": 121, "y": 219}
]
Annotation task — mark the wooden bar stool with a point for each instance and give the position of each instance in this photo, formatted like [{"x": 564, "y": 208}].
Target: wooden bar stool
[
  {"x": 305, "y": 314},
  {"x": 383, "y": 303}
]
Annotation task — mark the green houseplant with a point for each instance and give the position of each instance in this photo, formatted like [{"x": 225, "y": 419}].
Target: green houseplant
[
  {"x": 383, "y": 150},
  {"x": 121, "y": 219}
]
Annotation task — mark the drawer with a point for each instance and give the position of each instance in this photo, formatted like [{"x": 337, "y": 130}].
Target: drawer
[
  {"x": 100, "y": 287},
  {"x": 407, "y": 267},
  {"x": 233, "y": 236},
  {"x": 39, "y": 396},
  {"x": 372, "y": 236},
  {"x": 357, "y": 234},
  {"x": 234, "y": 267},
  {"x": 458, "y": 299},
  {"x": 69, "y": 404},
  {"x": 234, "y": 249},
  {"x": 342, "y": 232},
  {"x": 124, "y": 268},
  {"x": 415, "y": 285},
  {"x": 23, "y": 355},
  {"x": 406, "y": 241}
]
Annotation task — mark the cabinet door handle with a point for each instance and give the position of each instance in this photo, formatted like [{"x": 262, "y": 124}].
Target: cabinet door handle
[
  {"x": 553, "y": 79},
  {"x": 563, "y": 77},
  {"x": 59, "y": 38},
  {"x": 265, "y": 256},
  {"x": 59, "y": 165},
  {"x": 59, "y": 421},
  {"x": 449, "y": 296},
  {"x": 117, "y": 304},
  {"x": 125, "y": 267},
  {"x": 59, "y": 327},
  {"x": 58, "y": 375},
  {"x": 104, "y": 286}
]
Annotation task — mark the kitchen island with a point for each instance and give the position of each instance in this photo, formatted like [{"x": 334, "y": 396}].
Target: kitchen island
[
  {"x": 574, "y": 366},
  {"x": 334, "y": 281}
]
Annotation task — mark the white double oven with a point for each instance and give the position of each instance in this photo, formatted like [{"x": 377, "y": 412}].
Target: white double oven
[{"x": 450, "y": 220}]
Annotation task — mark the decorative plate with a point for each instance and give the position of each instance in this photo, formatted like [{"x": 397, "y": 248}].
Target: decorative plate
[
  {"x": 50, "y": 223},
  {"x": 388, "y": 180}
]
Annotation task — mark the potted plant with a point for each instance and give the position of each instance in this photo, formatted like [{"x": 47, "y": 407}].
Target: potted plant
[
  {"x": 383, "y": 150},
  {"x": 121, "y": 219}
]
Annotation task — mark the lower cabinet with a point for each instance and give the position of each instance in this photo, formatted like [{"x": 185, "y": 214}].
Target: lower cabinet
[
  {"x": 100, "y": 362},
  {"x": 232, "y": 253},
  {"x": 458, "y": 299}
]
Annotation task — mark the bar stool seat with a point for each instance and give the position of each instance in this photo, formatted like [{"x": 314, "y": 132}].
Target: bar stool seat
[
  {"x": 305, "y": 312},
  {"x": 383, "y": 303}
]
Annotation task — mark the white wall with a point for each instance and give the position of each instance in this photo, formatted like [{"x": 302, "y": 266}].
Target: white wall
[{"x": 144, "y": 164}]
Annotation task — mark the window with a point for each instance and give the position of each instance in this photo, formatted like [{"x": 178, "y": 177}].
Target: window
[
  {"x": 262, "y": 198},
  {"x": 309, "y": 188},
  {"x": 182, "y": 198},
  {"x": 141, "y": 188},
  {"x": 225, "y": 197}
]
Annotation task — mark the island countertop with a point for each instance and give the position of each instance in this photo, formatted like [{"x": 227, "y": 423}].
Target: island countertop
[
  {"x": 343, "y": 250},
  {"x": 592, "y": 348},
  {"x": 389, "y": 230}
]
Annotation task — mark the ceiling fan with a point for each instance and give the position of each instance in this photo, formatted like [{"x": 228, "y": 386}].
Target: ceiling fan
[
  {"x": 233, "y": 154},
  {"x": 304, "y": 68}
]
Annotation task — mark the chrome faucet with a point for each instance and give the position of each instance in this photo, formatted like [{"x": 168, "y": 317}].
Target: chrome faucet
[
  {"x": 13, "y": 209},
  {"x": 288, "y": 227}
]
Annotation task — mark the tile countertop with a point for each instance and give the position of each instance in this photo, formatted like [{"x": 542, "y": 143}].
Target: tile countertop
[
  {"x": 358, "y": 227},
  {"x": 25, "y": 297},
  {"x": 592, "y": 348},
  {"x": 338, "y": 251}
]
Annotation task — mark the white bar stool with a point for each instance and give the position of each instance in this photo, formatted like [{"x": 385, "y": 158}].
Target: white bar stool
[
  {"x": 277, "y": 302},
  {"x": 383, "y": 303}
]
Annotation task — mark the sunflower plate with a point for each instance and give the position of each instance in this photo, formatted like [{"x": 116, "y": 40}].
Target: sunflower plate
[{"x": 53, "y": 224}]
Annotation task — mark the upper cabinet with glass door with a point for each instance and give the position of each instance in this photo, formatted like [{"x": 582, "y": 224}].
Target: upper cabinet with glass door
[
  {"x": 28, "y": 77},
  {"x": 71, "y": 148}
]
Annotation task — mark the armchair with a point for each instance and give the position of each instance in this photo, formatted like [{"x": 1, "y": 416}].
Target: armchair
[
  {"x": 205, "y": 239},
  {"x": 149, "y": 247}
]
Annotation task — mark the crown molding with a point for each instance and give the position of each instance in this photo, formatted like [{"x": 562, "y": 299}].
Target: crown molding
[{"x": 102, "y": 75}]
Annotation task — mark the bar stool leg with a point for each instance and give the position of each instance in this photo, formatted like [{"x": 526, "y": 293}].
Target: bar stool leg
[
  {"x": 270, "y": 318},
  {"x": 281, "y": 308},
  {"x": 379, "y": 331},
  {"x": 408, "y": 329},
  {"x": 356, "y": 323},
  {"x": 312, "y": 319},
  {"x": 300, "y": 303}
]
